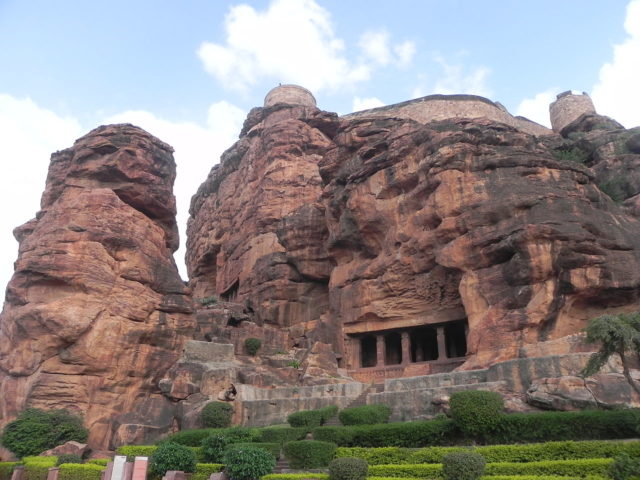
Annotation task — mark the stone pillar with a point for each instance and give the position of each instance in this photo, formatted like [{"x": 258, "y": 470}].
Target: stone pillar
[
  {"x": 140, "y": 468},
  {"x": 406, "y": 347},
  {"x": 354, "y": 354},
  {"x": 52, "y": 474},
  {"x": 18, "y": 473},
  {"x": 379, "y": 350},
  {"x": 118, "y": 467},
  {"x": 442, "y": 347},
  {"x": 106, "y": 473},
  {"x": 128, "y": 471}
]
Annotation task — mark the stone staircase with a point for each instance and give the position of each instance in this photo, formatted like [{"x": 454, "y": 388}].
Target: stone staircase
[
  {"x": 359, "y": 401},
  {"x": 282, "y": 465}
]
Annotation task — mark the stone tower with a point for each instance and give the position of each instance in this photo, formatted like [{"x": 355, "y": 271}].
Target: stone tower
[
  {"x": 291, "y": 94},
  {"x": 568, "y": 107}
]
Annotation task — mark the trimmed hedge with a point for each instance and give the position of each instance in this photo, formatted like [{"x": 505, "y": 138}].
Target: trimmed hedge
[
  {"x": 408, "y": 434},
  {"x": 204, "y": 470},
  {"x": 37, "y": 468},
  {"x": 80, "y": 471},
  {"x": 570, "y": 468},
  {"x": 282, "y": 434},
  {"x": 193, "y": 438},
  {"x": 216, "y": 415},
  {"x": 132, "y": 451},
  {"x": 512, "y": 428},
  {"x": 348, "y": 469},
  {"x": 476, "y": 412},
  {"x": 365, "y": 415},
  {"x": 6, "y": 469},
  {"x": 580, "y": 468},
  {"x": 295, "y": 476},
  {"x": 312, "y": 418},
  {"x": 172, "y": 456},
  {"x": 540, "y": 477},
  {"x": 467, "y": 465},
  {"x": 568, "y": 450},
  {"x": 309, "y": 453},
  {"x": 248, "y": 463},
  {"x": 272, "y": 448},
  {"x": 98, "y": 461}
]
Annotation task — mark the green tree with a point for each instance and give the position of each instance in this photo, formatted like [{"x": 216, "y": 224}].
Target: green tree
[{"x": 617, "y": 334}]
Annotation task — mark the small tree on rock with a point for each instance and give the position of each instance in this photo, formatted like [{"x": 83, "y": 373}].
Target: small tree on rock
[{"x": 617, "y": 334}]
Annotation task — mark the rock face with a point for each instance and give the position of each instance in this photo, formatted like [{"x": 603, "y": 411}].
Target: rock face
[
  {"x": 96, "y": 310},
  {"x": 376, "y": 246}
]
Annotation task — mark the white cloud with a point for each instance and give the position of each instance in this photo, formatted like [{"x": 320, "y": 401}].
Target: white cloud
[
  {"x": 377, "y": 48},
  {"x": 537, "y": 108},
  {"x": 30, "y": 134},
  {"x": 616, "y": 93},
  {"x": 456, "y": 79},
  {"x": 292, "y": 41},
  {"x": 197, "y": 149},
  {"x": 366, "y": 103}
]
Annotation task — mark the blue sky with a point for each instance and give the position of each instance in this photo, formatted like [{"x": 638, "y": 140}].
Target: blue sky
[{"x": 189, "y": 71}]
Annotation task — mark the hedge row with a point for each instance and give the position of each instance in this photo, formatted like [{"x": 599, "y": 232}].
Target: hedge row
[
  {"x": 309, "y": 453},
  {"x": 193, "y": 438},
  {"x": 324, "y": 476},
  {"x": 37, "y": 468},
  {"x": 566, "y": 468},
  {"x": 312, "y": 418},
  {"x": 295, "y": 476},
  {"x": 133, "y": 451},
  {"x": 512, "y": 428},
  {"x": 272, "y": 448},
  {"x": 568, "y": 450},
  {"x": 6, "y": 469},
  {"x": 408, "y": 434},
  {"x": 541, "y": 477},
  {"x": 282, "y": 434},
  {"x": 80, "y": 471},
  {"x": 365, "y": 415}
]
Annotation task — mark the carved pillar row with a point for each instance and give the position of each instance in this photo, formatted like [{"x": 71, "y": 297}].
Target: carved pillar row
[
  {"x": 379, "y": 350},
  {"x": 442, "y": 346},
  {"x": 406, "y": 347}
]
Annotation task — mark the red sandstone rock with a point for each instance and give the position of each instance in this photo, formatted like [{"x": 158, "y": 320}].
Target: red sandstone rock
[
  {"x": 68, "y": 448},
  {"x": 96, "y": 310}
]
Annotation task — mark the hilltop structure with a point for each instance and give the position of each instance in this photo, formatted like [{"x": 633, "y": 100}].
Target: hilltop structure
[{"x": 424, "y": 247}]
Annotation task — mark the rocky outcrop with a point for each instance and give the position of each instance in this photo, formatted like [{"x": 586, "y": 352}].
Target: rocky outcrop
[{"x": 96, "y": 309}]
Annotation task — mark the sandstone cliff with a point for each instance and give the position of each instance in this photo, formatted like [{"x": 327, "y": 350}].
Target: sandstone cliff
[
  {"x": 369, "y": 247},
  {"x": 96, "y": 310}
]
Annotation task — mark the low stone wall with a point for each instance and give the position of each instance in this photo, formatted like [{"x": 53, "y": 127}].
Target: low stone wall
[{"x": 441, "y": 107}]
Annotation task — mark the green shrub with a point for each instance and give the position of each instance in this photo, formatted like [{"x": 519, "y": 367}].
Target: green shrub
[
  {"x": 463, "y": 465},
  {"x": 6, "y": 469},
  {"x": 348, "y": 469},
  {"x": 172, "y": 456},
  {"x": 365, "y": 415},
  {"x": 98, "y": 461},
  {"x": 248, "y": 463},
  {"x": 296, "y": 476},
  {"x": 312, "y": 418},
  {"x": 252, "y": 345},
  {"x": 624, "y": 467},
  {"x": 425, "y": 471},
  {"x": 75, "y": 471},
  {"x": 577, "y": 468},
  {"x": 272, "y": 448},
  {"x": 540, "y": 477},
  {"x": 68, "y": 458},
  {"x": 309, "y": 453},
  {"x": 194, "y": 438},
  {"x": 37, "y": 468},
  {"x": 408, "y": 434},
  {"x": 35, "y": 431},
  {"x": 476, "y": 412},
  {"x": 213, "y": 448},
  {"x": 206, "y": 301},
  {"x": 376, "y": 456},
  {"x": 282, "y": 434},
  {"x": 216, "y": 415},
  {"x": 204, "y": 470},
  {"x": 584, "y": 425}
]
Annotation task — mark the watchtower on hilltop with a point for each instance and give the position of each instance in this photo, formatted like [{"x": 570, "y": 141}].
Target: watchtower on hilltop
[{"x": 568, "y": 107}]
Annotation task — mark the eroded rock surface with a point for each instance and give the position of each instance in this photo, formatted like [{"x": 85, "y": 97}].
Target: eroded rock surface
[{"x": 96, "y": 309}]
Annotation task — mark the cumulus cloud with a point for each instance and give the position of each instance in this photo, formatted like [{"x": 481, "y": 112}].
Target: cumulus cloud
[
  {"x": 366, "y": 103},
  {"x": 293, "y": 41},
  {"x": 377, "y": 48},
  {"x": 616, "y": 93},
  {"x": 454, "y": 78},
  {"x": 29, "y": 134},
  {"x": 197, "y": 149},
  {"x": 537, "y": 108}
]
